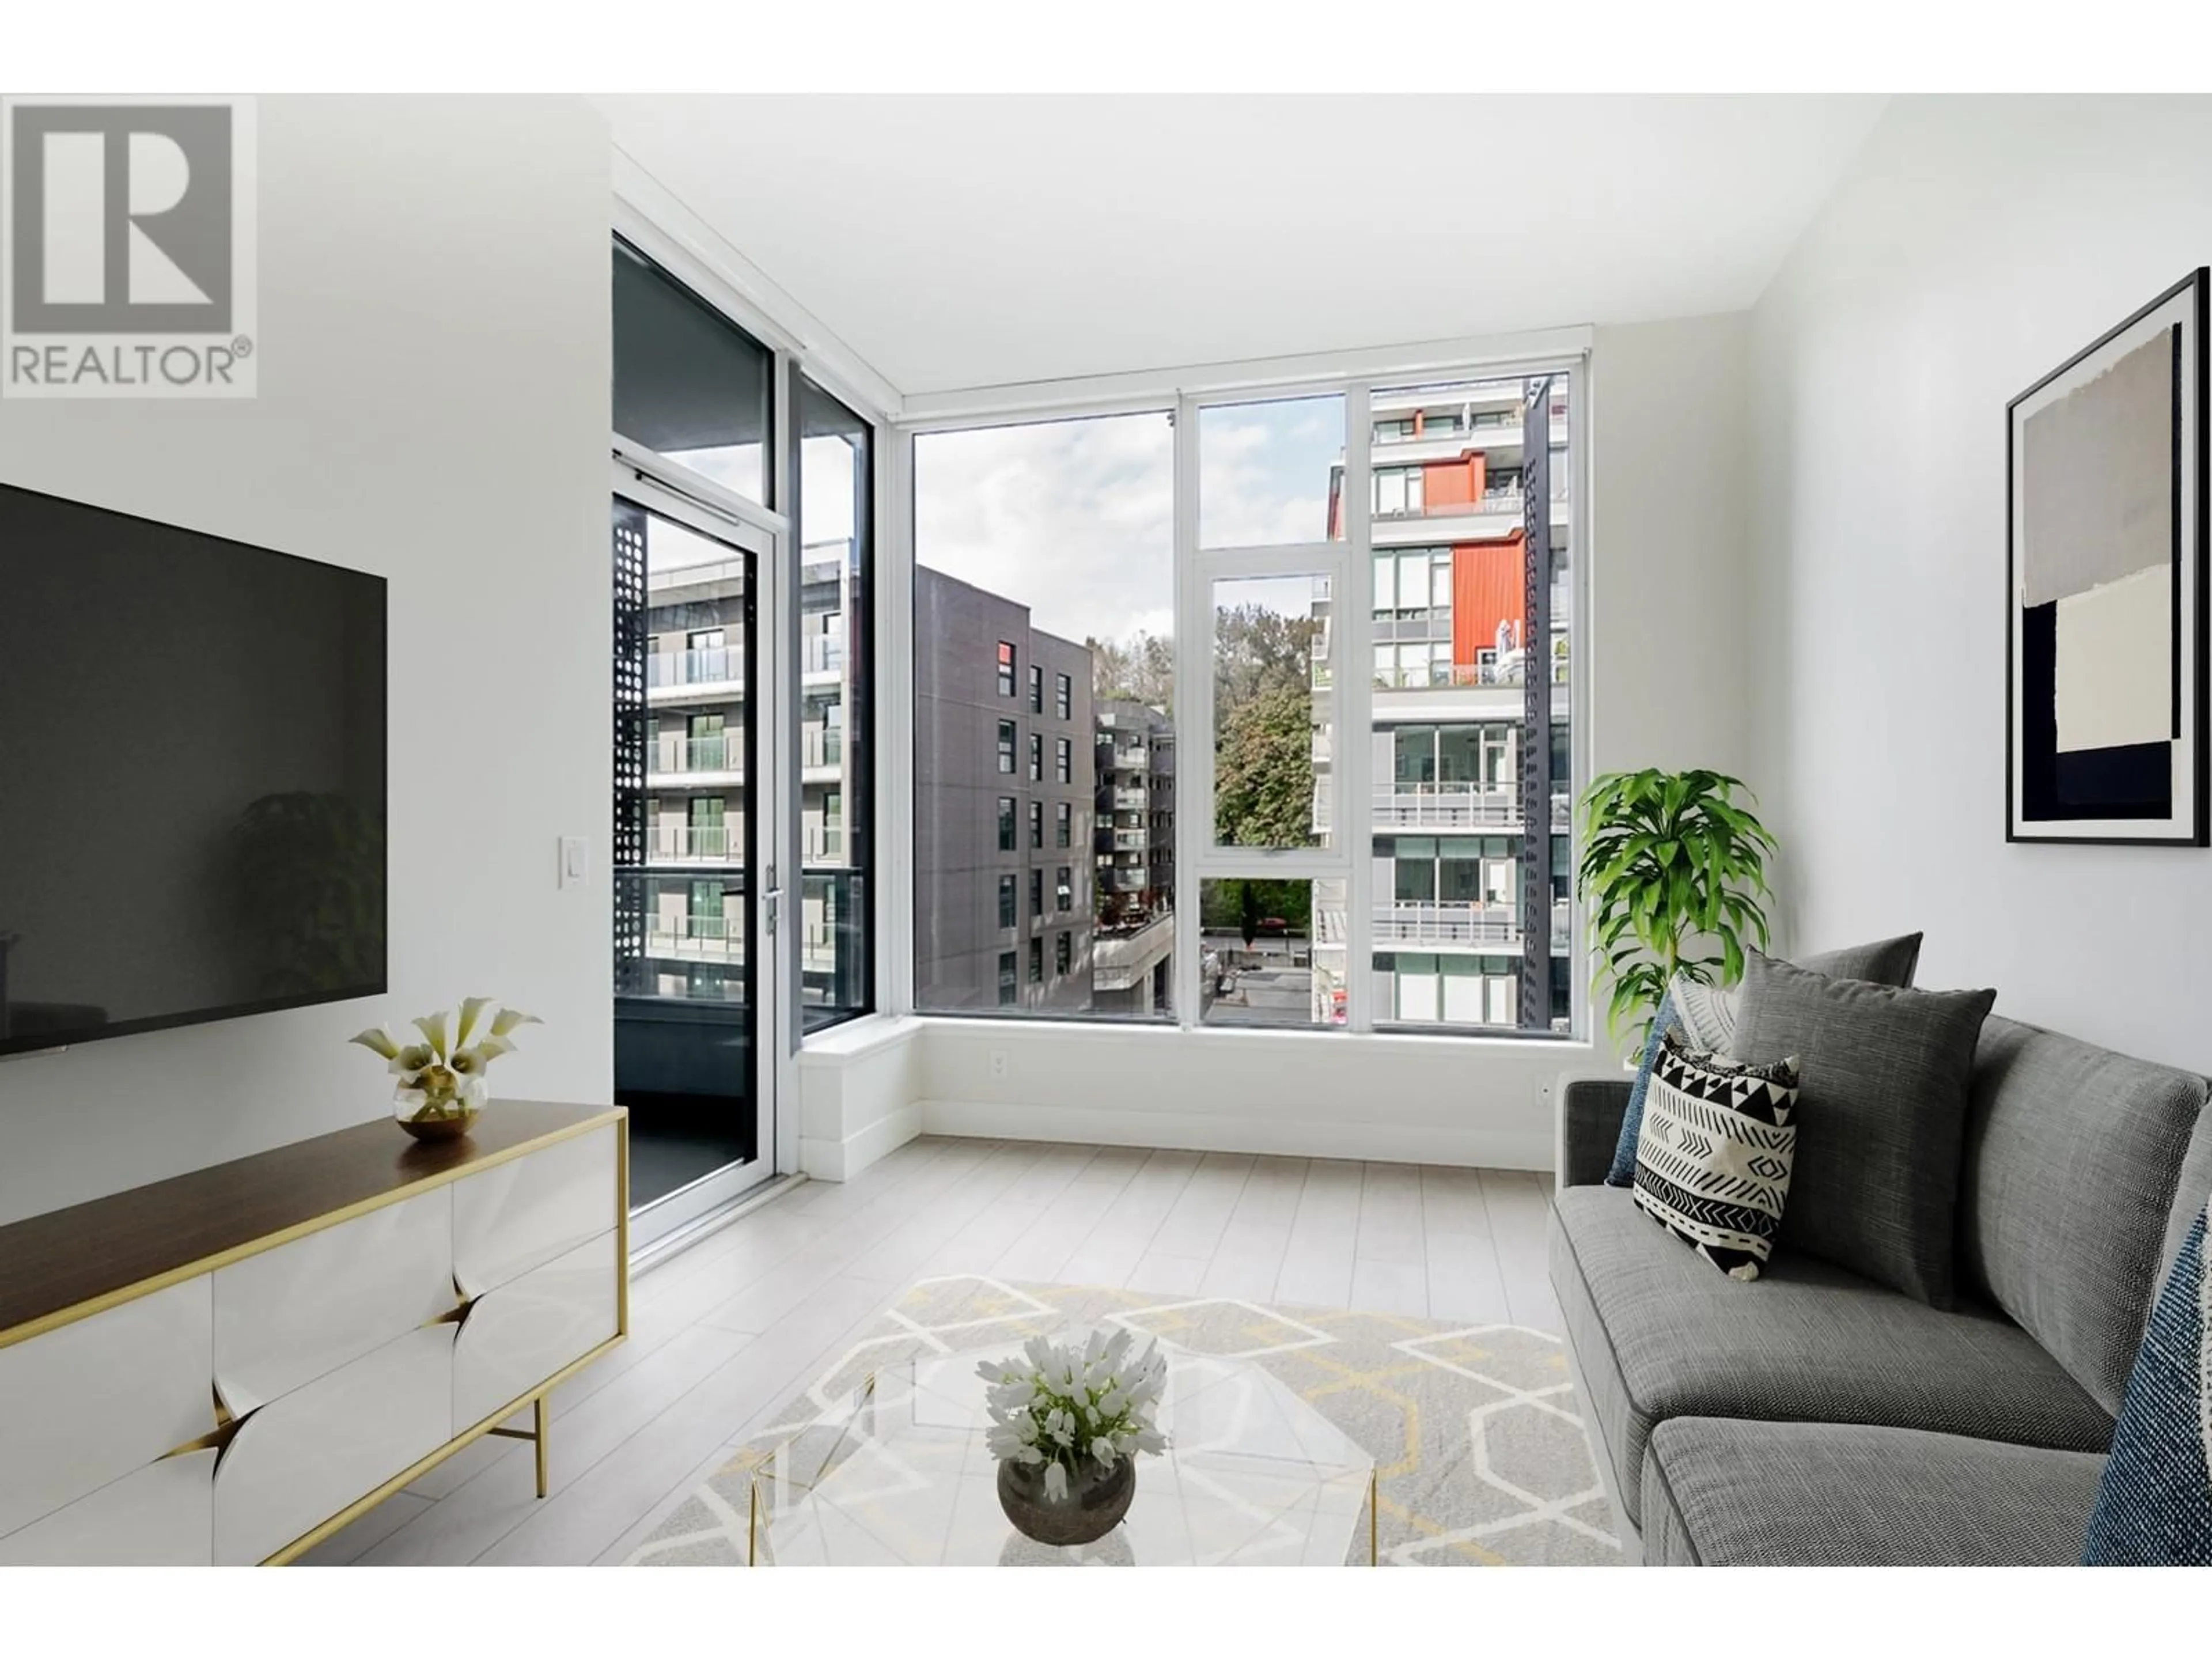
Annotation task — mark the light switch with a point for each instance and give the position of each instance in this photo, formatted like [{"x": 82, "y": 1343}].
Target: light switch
[{"x": 575, "y": 860}]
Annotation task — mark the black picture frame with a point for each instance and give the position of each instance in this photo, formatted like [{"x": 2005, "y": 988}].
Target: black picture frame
[{"x": 2130, "y": 804}]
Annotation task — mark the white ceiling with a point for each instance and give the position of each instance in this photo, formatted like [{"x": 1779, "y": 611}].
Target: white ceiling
[{"x": 962, "y": 241}]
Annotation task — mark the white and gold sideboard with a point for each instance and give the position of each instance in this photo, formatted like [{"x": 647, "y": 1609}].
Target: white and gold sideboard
[{"x": 227, "y": 1367}]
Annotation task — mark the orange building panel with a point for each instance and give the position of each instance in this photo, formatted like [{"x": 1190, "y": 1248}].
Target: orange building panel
[{"x": 1488, "y": 587}]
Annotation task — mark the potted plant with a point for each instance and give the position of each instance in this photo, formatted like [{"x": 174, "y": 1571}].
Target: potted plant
[
  {"x": 1674, "y": 873},
  {"x": 1067, "y": 1424}
]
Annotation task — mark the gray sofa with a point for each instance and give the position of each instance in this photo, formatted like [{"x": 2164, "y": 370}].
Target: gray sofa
[{"x": 1812, "y": 1418}]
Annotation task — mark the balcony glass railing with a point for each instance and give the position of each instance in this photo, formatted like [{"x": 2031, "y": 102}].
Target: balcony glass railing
[
  {"x": 711, "y": 665},
  {"x": 1475, "y": 925},
  {"x": 701, "y": 938},
  {"x": 673, "y": 756},
  {"x": 695, "y": 844},
  {"x": 825, "y": 843},
  {"x": 823, "y": 655},
  {"x": 1457, "y": 805},
  {"x": 822, "y": 746}
]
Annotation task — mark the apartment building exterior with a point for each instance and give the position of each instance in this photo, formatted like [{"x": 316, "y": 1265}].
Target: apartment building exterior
[
  {"x": 1447, "y": 827},
  {"x": 1005, "y": 795},
  {"x": 698, "y": 621},
  {"x": 1134, "y": 845}
]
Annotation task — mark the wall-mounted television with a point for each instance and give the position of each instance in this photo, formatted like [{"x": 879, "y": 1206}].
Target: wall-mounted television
[{"x": 191, "y": 777}]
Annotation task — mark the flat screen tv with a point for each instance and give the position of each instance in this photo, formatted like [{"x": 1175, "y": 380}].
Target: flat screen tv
[{"x": 191, "y": 777}]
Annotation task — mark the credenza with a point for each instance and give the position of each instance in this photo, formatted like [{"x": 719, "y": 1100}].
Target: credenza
[{"x": 227, "y": 1367}]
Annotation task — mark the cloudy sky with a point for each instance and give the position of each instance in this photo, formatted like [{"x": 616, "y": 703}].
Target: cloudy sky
[{"x": 1075, "y": 518}]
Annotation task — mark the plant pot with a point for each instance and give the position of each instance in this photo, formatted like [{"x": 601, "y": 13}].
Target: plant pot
[{"x": 1094, "y": 1506}]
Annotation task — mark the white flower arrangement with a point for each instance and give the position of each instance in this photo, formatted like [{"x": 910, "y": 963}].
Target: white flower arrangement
[
  {"x": 1060, "y": 1405},
  {"x": 443, "y": 1075}
]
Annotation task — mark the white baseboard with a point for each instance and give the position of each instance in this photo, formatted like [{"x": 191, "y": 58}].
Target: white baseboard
[
  {"x": 1472, "y": 1147},
  {"x": 841, "y": 1160}
]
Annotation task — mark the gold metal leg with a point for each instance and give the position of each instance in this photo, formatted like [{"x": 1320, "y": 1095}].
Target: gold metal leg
[
  {"x": 1374, "y": 1519},
  {"x": 752, "y": 1525},
  {"x": 543, "y": 1425}
]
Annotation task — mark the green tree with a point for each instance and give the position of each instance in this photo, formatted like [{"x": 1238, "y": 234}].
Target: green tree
[
  {"x": 1140, "y": 671},
  {"x": 1263, "y": 776}
]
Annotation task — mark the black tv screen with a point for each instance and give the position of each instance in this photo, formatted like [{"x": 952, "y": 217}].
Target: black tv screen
[{"x": 191, "y": 776}]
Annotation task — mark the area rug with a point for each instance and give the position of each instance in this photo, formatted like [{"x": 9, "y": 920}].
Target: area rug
[{"x": 1481, "y": 1458}]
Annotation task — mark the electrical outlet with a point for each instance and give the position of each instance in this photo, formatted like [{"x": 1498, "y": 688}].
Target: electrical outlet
[{"x": 998, "y": 1062}]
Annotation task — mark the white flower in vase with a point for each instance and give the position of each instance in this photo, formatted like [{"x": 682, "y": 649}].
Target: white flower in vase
[
  {"x": 441, "y": 1080},
  {"x": 1069, "y": 1411}
]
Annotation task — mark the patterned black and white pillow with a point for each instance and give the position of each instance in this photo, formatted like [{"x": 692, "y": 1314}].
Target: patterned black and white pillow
[{"x": 1713, "y": 1159}]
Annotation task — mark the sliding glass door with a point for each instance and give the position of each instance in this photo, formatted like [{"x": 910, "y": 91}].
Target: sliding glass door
[{"x": 695, "y": 895}]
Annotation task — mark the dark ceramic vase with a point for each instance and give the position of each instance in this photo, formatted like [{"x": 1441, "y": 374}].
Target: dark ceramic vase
[{"x": 1094, "y": 1505}]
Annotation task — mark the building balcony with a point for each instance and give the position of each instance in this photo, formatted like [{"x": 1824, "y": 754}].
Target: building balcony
[
  {"x": 1494, "y": 929},
  {"x": 718, "y": 939},
  {"x": 1129, "y": 760},
  {"x": 1126, "y": 878},
  {"x": 1491, "y": 517},
  {"x": 1457, "y": 806},
  {"x": 1122, "y": 960},
  {"x": 822, "y": 659},
  {"x": 823, "y": 844},
  {"x": 695, "y": 844},
  {"x": 1131, "y": 800},
  {"x": 1131, "y": 840},
  {"x": 712, "y": 674},
  {"x": 709, "y": 763}
]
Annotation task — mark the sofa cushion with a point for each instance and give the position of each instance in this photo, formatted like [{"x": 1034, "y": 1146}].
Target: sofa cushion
[
  {"x": 2073, "y": 1156},
  {"x": 2155, "y": 1508},
  {"x": 1712, "y": 1165},
  {"x": 1658, "y": 1334},
  {"x": 1708, "y": 1014},
  {"x": 1719, "y": 1493},
  {"x": 1881, "y": 1118}
]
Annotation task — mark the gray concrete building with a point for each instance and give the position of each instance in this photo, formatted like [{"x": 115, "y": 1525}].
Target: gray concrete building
[
  {"x": 1135, "y": 850},
  {"x": 1004, "y": 798}
]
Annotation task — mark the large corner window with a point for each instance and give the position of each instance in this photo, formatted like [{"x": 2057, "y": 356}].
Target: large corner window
[
  {"x": 1364, "y": 592},
  {"x": 836, "y": 775},
  {"x": 1050, "y": 549}
]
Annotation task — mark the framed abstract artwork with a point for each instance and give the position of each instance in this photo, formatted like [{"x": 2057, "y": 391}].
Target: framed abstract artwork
[{"x": 2104, "y": 586}]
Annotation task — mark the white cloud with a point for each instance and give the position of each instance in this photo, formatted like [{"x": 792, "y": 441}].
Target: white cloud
[{"x": 1075, "y": 518}]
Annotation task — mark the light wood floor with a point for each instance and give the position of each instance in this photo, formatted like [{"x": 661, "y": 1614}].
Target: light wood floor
[{"x": 725, "y": 1333}]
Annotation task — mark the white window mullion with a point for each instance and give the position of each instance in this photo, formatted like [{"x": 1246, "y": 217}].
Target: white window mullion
[
  {"x": 893, "y": 602},
  {"x": 1194, "y": 716},
  {"x": 1354, "y": 762}
]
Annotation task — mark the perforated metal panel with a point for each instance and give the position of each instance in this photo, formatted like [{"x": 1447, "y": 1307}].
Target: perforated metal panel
[{"x": 629, "y": 742}]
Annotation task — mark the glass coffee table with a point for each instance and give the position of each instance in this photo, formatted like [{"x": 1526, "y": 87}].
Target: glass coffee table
[{"x": 899, "y": 1475}]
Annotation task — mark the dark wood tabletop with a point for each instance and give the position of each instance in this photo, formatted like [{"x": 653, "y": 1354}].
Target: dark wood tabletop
[{"x": 56, "y": 1261}]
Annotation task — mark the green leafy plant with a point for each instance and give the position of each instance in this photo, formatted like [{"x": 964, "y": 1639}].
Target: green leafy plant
[{"x": 1674, "y": 870}]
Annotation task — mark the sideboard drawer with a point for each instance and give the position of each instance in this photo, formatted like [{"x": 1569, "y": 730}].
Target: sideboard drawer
[
  {"x": 300, "y": 1311},
  {"x": 89, "y": 1402},
  {"x": 302, "y": 1459},
  {"x": 520, "y": 1335},
  {"x": 158, "y": 1516},
  {"x": 523, "y": 1213}
]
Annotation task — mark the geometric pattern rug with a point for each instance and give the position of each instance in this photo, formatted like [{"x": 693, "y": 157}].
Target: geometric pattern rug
[{"x": 1481, "y": 1458}]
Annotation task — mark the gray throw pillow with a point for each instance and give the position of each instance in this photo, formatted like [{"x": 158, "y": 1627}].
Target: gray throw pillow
[
  {"x": 1881, "y": 1120},
  {"x": 1886, "y": 962}
]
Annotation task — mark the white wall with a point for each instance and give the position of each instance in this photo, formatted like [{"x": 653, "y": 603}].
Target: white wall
[
  {"x": 433, "y": 325},
  {"x": 1667, "y": 557},
  {"x": 1973, "y": 246}
]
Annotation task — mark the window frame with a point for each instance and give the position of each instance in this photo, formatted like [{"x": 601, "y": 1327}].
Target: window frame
[{"x": 1348, "y": 562}]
